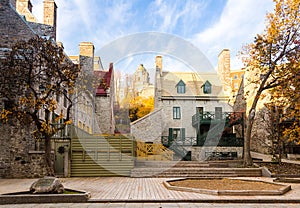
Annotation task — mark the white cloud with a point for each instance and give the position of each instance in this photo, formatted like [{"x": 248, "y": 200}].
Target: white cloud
[
  {"x": 169, "y": 15},
  {"x": 103, "y": 21},
  {"x": 238, "y": 25}
]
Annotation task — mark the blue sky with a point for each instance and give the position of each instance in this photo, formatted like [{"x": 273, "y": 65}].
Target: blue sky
[{"x": 210, "y": 25}]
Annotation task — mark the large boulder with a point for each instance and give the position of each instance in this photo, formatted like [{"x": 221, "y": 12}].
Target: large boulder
[{"x": 47, "y": 185}]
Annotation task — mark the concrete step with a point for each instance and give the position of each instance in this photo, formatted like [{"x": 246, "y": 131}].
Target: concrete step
[
  {"x": 196, "y": 172},
  {"x": 189, "y": 164}
]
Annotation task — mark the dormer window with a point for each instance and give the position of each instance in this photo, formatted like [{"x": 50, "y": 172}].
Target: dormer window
[
  {"x": 206, "y": 87},
  {"x": 180, "y": 87}
]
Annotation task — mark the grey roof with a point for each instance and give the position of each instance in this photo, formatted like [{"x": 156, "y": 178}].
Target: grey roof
[{"x": 194, "y": 82}]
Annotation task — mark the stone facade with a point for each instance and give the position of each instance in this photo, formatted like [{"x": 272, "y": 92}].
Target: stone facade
[
  {"x": 93, "y": 112},
  {"x": 141, "y": 82},
  {"x": 104, "y": 102},
  {"x": 13, "y": 27},
  {"x": 18, "y": 155},
  {"x": 17, "y": 152},
  {"x": 167, "y": 97},
  {"x": 103, "y": 110}
]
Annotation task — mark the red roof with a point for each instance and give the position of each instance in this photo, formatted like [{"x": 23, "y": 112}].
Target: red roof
[{"x": 104, "y": 78}]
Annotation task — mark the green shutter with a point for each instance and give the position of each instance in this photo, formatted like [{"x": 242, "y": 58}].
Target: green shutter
[
  {"x": 170, "y": 138},
  {"x": 182, "y": 131}
]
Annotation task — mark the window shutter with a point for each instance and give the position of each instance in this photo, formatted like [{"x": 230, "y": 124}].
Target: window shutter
[{"x": 182, "y": 134}]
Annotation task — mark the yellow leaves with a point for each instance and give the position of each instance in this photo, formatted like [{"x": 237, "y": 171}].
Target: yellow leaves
[
  {"x": 61, "y": 116},
  {"x": 52, "y": 105},
  {"x": 45, "y": 127},
  {"x": 140, "y": 107},
  {"x": 293, "y": 133},
  {"x": 5, "y": 114},
  {"x": 68, "y": 122}
]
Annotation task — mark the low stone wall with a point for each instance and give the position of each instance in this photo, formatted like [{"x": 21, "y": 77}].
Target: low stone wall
[{"x": 200, "y": 153}]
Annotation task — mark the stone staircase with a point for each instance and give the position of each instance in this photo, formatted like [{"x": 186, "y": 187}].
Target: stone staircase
[{"x": 191, "y": 169}]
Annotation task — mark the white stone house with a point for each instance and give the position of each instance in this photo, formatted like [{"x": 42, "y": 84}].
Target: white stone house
[{"x": 180, "y": 97}]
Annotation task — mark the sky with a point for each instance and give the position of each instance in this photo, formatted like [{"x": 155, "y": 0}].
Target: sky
[{"x": 209, "y": 25}]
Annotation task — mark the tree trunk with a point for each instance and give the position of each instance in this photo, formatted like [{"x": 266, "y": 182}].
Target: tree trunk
[
  {"x": 247, "y": 156},
  {"x": 48, "y": 157}
]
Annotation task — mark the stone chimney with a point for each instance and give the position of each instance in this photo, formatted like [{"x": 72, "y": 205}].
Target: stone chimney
[
  {"x": 158, "y": 64},
  {"x": 24, "y": 7},
  {"x": 86, "y": 56},
  {"x": 50, "y": 14},
  {"x": 224, "y": 69}
]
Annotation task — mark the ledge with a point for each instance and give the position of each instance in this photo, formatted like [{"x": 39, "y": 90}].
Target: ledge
[
  {"x": 27, "y": 198},
  {"x": 282, "y": 190}
]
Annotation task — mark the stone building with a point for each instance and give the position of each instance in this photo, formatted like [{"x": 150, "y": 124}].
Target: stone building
[
  {"x": 84, "y": 104},
  {"x": 104, "y": 101},
  {"x": 141, "y": 82},
  {"x": 180, "y": 98},
  {"x": 19, "y": 154},
  {"x": 93, "y": 111}
]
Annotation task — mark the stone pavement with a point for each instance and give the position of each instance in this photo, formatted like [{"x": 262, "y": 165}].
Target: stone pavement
[{"x": 153, "y": 205}]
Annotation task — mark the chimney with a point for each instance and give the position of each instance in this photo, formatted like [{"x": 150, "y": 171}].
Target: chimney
[
  {"x": 224, "y": 68},
  {"x": 86, "y": 56},
  {"x": 86, "y": 49},
  {"x": 24, "y": 7},
  {"x": 50, "y": 14},
  {"x": 158, "y": 63}
]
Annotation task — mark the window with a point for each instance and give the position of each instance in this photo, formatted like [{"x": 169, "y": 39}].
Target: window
[
  {"x": 177, "y": 134},
  {"x": 180, "y": 87},
  {"x": 206, "y": 87},
  {"x": 176, "y": 113},
  {"x": 235, "y": 76}
]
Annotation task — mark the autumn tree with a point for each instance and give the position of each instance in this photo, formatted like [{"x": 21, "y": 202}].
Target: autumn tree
[
  {"x": 273, "y": 59},
  {"x": 32, "y": 75},
  {"x": 139, "y": 107}
]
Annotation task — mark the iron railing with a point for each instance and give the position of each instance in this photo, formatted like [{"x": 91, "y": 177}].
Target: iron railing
[{"x": 232, "y": 117}]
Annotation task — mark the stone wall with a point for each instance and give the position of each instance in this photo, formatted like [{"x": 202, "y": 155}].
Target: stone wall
[
  {"x": 200, "y": 153},
  {"x": 103, "y": 115},
  {"x": 13, "y": 27},
  {"x": 148, "y": 128},
  {"x": 16, "y": 143},
  {"x": 17, "y": 158}
]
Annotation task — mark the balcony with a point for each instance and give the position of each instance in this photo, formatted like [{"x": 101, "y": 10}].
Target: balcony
[{"x": 209, "y": 117}]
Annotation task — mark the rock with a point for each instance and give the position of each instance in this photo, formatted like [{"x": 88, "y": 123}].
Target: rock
[{"x": 50, "y": 185}]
